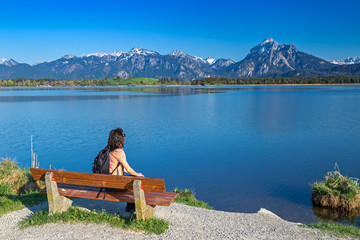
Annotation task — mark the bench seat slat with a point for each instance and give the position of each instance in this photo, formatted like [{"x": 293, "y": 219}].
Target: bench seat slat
[
  {"x": 99, "y": 180},
  {"x": 152, "y": 198}
]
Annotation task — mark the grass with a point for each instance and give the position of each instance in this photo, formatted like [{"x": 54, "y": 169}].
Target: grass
[
  {"x": 9, "y": 203},
  {"x": 17, "y": 188},
  {"x": 187, "y": 197},
  {"x": 12, "y": 178},
  {"x": 75, "y": 215},
  {"x": 338, "y": 230},
  {"x": 336, "y": 184}
]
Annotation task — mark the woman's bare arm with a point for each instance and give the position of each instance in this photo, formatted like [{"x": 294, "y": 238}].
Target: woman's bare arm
[{"x": 127, "y": 167}]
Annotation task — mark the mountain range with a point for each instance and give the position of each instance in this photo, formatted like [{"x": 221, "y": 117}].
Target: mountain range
[
  {"x": 268, "y": 59},
  {"x": 349, "y": 60}
]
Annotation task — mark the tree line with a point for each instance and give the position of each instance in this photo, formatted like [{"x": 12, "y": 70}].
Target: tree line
[
  {"x": 258, "y": 81},
  {"x": 46, "y": 82}
]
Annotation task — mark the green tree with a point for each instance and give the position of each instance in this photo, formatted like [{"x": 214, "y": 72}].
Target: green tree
[{"x": 10, "y": 83}]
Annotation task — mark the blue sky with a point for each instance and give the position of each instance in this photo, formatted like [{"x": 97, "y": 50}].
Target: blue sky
[{"x": 33, "y": 31}]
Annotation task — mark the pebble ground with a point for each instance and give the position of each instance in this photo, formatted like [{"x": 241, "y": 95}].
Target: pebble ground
[{"x": 185, "y": 223}]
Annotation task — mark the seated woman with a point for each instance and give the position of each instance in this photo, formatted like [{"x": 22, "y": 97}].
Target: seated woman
[{"x": 118, "y": 163}]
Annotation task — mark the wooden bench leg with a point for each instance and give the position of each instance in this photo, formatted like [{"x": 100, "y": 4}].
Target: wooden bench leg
[
  {"x": 150, "y": 211},
  {"x": 142, "y": 210},
  {"x": 56, "y": 202}
]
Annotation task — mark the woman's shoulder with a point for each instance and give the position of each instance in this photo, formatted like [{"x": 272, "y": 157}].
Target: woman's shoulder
[{"x": 118, "y": 150}]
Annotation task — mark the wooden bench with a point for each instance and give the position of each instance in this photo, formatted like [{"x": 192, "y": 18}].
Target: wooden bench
[{"x": 144, "y": 192}]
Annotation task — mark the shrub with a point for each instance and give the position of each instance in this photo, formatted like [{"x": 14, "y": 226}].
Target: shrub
[
  {"x": 337, "y": 191},
  {"x": 17, "y": 187},
  {"x": 12, "y": 177},
  {"x": 187, "y": 197},
  {"x": 336, "y": 184}
]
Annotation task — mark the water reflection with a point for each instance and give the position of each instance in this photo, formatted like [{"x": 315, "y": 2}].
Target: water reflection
[
  {"x": 162, "y": 90},
  {"x": 336, "y": 215},
  {"x": 102, "y": 93}
]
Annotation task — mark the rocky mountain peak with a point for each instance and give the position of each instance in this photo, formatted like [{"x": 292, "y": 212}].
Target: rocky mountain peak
[
  {"x": 140, "y": 51},
  {"x": 136, "y": 50},
  {"x": 7, "y": 62},
  {"x": 68, "y": 56},
  {"x": 270, "y": 58},
  {"x": 264, "y": 48},
  {"x": 349, "y": 60},
  {"x": 102, "y": 54},
  {"x": 210, "y": 60},
  {"x": 178, "y": 53},
  {"x": 267, "y": 40},
  {"x": 269, "y": 43}
]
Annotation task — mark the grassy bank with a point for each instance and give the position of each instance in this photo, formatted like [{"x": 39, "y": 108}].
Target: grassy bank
[
  {"x": 76, "y": 215},
  {"x": 133, "y": 81},
  {"x": 17, "y": 187},
  {"x": 338, "y": 230}
]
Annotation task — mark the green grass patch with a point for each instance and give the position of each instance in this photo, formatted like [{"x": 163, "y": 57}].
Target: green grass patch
[
  {"x": 131, "y": 81},
  {"x": 134, "y": 81},
  {"x": 338, "y": 230},
  {"x": 9, "y": 203},
  {"x": 336, "y": 184},
  {"x": 76, "y": 215},
  {"x": 187, "y": 197},
  {"x": 17, "y": 188}
]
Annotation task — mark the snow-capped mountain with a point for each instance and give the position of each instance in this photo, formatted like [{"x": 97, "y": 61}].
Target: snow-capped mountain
[
  {"x": 181, "y": 54},
  {"x": 102, "y": 54},
  {"x": 137, "y": 62},
  {"x": 267, "y": 59},
  {"x": 272, "y": 58},
  {"x": 210, "y": 60},
  {"x": 7, "y": 62},
  {"x": 349, "y": 60}
]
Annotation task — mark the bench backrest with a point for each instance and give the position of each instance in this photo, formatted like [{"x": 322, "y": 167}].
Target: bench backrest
[{"x": 99, "y": 180}]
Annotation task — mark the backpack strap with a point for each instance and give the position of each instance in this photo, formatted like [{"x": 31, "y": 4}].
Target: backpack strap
[
  {"x": 100, "y": 192},
  {"x": 115, "y": 168},
  {"x": 118, "y": 164},
  {"x": 103, "y": 187}
]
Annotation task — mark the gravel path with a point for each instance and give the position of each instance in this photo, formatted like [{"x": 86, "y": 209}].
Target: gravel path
[{"x": 185, "y": 223}]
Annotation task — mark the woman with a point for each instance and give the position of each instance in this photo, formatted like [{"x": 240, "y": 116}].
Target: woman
[{"x": 118, "y": 163}]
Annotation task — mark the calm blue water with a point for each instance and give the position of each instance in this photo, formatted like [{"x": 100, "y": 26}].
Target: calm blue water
[{"x": 239, "y": 148}]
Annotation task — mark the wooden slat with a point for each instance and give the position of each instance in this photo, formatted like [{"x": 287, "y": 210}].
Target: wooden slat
[
  {"x": 99, "y": 180},
  {"x": 152, "y": 198}
]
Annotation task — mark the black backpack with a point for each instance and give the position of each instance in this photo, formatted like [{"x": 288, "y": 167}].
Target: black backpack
[{"x": 101, "y": 162}]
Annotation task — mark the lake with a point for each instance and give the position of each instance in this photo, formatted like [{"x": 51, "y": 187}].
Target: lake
[{"x": 239, "y": 148}]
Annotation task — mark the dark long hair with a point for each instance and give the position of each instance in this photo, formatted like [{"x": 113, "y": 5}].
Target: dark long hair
[{"x": 116, "y": 139}]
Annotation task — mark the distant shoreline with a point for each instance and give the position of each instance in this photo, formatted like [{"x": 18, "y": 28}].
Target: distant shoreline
[
  {"x": 186, "y": 86},
  {"x": 171, "y": 82}
]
